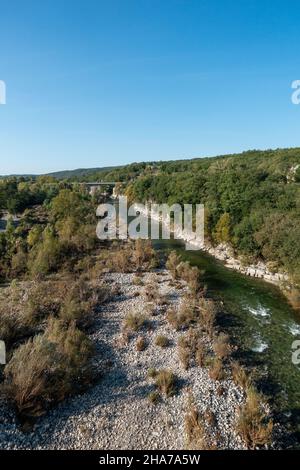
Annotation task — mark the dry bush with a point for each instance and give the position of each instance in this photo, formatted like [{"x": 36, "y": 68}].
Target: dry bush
[
  {"x": 120, "y": 261},
  {"x": 151, "y": 292},
  {"x": 81, "y": 300},
  {"x": 162, "y": 341},
  {"x": 184, "y": 317},
  {"x": 172, "y": 318},
  {"x": 184, "y": 352},
  {"x": 191, "y": 275},
  {"x": 254, "y": 426},
  {"x": 216, "y": 371},
  {"x": 144, "y": 256},
  {"x": 152, "y": 373},
  {"x": 208, "y": 315},
  {"x": 165, "y": 381},
  {"x": 153, "y": 397},
  {"x": 134, "y": 321},
  {"x": 11, "y": 329},
  {"x": 44, "y": 299},
  {"x": 221, "y": 346},
  {"x": 137, "y": 281},
  {"x": 197, "y": 438},
  {"x": 172, "y": 264},
  {"x": 240, "y": 376},
  {"x": 200, "y": 353},
  {"x": 48, "y": 368},
  {"x": 140, "y": 343}
]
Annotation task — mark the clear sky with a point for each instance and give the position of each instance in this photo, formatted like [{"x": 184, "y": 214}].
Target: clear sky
[{"x": 98, "y": 83}]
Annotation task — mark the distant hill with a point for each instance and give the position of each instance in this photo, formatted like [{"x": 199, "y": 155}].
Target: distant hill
[{"x": 78, "y": 173}]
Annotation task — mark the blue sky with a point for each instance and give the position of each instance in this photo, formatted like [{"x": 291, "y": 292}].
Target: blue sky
[{"x": 97, "y": 83}]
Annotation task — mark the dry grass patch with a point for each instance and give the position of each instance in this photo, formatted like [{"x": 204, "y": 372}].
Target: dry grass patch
[
  {"x": 216, "y": 370},
  {"x": 197, "y": 436},
  {"x": 165, "y": 381},
  {"x": 154, "y": 397},
  {"x": 140, "y": 343},
  {"x": 208, "y": 313},
  {"x": 162, "y": 341},
  {"x": 254, "y": 426},
  {"x": 221, "y": 346},
  {"x": 48, "y": 368},
  {"x": 240, "y": 376},
  {"x": 135, "y": 321}
]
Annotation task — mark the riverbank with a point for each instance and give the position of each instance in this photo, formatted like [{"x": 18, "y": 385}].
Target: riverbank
[
  {"x": 224, "y": 253},
  {"x": 116, "y": 413}
]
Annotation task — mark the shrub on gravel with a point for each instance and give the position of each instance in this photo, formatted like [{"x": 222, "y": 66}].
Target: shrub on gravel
[
  {"x": 240, "y": 376},
  {"x": 221, "y": 346},
  {"x": 254, "y": 426},
  {"x": 153, "y": 397},
  {"x": 134, "y": 321},
  {"x": 165, "y": 381},
  {"x": 191, "y": 275},
  {"x": 140, "y": 343},
  {"x": 195, "y": 430},
  {"x": 200, "y": 353},
  {"x": 208, "y": 315},
  {"x": 47, "y": 368},
  {"x": 216, "y": 371},
  {"x": 152, "y": 373},
  {"x": 172, "y": 264},
  {"x": 184, "y": 352},
  {"x": 151, "y": 292},
  {"x": 162, "y": 341}
]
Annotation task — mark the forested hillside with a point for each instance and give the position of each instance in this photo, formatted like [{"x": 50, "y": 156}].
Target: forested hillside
[{"x": 252, "y": 199}]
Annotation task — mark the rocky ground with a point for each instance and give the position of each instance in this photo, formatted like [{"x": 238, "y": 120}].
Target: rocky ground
[{"x": 116, "y": 412}]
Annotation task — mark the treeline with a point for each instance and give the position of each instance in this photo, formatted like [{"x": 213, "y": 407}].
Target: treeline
[
  {"x": 49, "y": 236},
  {"x": 252, "y": 200}
]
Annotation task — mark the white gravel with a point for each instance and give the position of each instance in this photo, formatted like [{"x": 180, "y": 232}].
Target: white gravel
[{"x": 116, "y": 413}]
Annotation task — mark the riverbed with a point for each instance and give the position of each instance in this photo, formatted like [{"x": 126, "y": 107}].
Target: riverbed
[{"x": 263, "y": 325}]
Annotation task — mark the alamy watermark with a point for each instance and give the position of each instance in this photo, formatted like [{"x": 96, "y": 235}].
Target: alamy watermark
[
  {"x": 296, "y": 94},
  {"x": 2, "y": 353},
  {"x": 2, "y": 92},
  {"x": 296, "y": 352},
  {"x": 151, "y": 221}
]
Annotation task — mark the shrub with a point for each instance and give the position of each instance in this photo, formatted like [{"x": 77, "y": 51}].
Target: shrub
[
  {"x": 153, "y": 397},
  {"x": 172, "y": 318},
  {"x": 44, "y": 299},
  {"x": 151, "y": 292},
  {"x": 240, "y": 376},
  {"x": 134, "y": 321},
  {"x": 253, "y": 425},
  {"x": 216, "y": 371},
  {"x": 137, "y": 281},
  {"x": 190, "y": 274},
  {"x": 120, "y": 261},
  {"x": 152, "y": 373},
  {"x": 165, "y": 381},
  {"x": 184, "y": 352},
  {"x": 140, "y": 343},
  {"x": 208, "y": 315},
  {"x": 143, "y": 253},
  {"x": 172, "y": 263},
  {"x": 162, "y": 341},
  {"x": 221, "y": 346},
  {"x": 195, "y": 430},
  {"x": 47, "y": 368},
  {"x": 200, "y": 353},
  {"x": 185, "y": 316}
]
